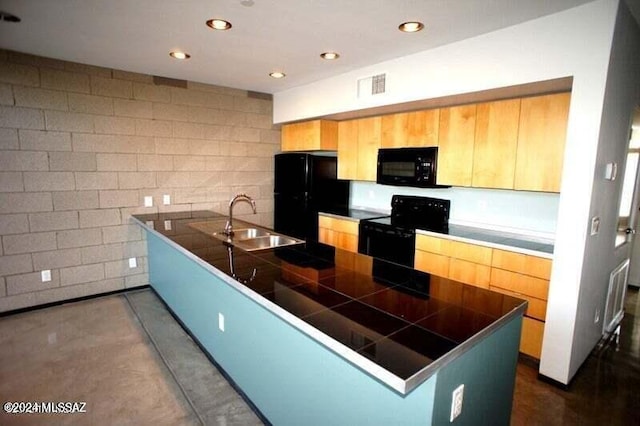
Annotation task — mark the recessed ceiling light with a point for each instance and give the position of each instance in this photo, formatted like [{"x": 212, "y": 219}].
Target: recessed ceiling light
[
  {"x": 176, "y": 54},
  {"x": 277, "y": 74},
  {"x": 411, "y": 26},
  {"x": 8, "y": 17},
  {"x": 219, "y": 24},
  {"x": 329, "y": 55}
]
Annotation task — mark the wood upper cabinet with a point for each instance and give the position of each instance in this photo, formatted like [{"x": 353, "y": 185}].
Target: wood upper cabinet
[
  {"x": 455, "y": 140},
  {"x": 496, "y": 142},
  {"x": 410, "y": 129},
  {"x": 358, "y": 143},
  {"x": 541, "y": 142},
  {"x": 348, "y": 149},
  {"x": 311, "y": 135},
  {"x": 369, "y": 131}
]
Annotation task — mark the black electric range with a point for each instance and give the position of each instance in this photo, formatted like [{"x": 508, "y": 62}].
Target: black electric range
[{"x": 393, "y": 237}]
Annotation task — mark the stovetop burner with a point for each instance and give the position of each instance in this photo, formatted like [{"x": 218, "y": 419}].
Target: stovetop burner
[{"x": 393, "y": 238}]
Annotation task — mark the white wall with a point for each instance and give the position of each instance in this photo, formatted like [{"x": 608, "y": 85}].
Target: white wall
[
  {"x": 622, "y": 95},
  {"x": 528, "y": 213},
  {"x": 574, "y": 43}
]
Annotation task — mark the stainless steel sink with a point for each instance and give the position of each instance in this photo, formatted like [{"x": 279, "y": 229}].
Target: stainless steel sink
[
  {"x": 249, "y": 239},
  {"x": 245, "y": 233},
  {"x": 266, "y": 242}
]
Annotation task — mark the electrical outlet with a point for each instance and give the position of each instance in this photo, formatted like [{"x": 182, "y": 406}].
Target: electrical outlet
[
  {"x": 133, "y": 263},
  {"x": 596, "y": 317},
  {"x": 456, "y": 402},
  {"x": 166, "y": 199},
  {"x": 167, "y": 225},
  {"x": 221, "y": 322},
  {"x": 150, "y": 224},
  {"x": 46, "y": 275},
  {"x": 148, "y": 201}
]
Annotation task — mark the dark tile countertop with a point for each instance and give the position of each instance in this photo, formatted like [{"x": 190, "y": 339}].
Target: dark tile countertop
[
  {"x": 405, "y": 321},
  {"x": 488, "y": 237}
]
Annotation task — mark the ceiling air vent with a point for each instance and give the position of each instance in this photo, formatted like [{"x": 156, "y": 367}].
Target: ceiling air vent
[{"x": 370, "y": 86}]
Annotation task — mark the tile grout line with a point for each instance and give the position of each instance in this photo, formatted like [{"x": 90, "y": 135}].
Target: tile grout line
[{"x": 164, "y": 360}]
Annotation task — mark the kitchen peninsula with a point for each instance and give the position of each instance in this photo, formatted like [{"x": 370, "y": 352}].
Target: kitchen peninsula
[{"x": 312, "y": 334}]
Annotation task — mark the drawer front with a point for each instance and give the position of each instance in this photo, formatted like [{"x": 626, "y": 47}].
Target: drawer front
[
  {"x": 327, "y": 236},
  {"x": 536, "y": 308},
  {"x": 470, "y": 252},
  {"x": 469, "y": 273},
  {"x": 339, "y": 225},
  {"x": 432, "y": 263},
  {"x": 338, "y": 239},
  {"x": 520, "y": 284},
  {"x": 346, "y": 241},
  {"x": 432, "y": 244},
  {"x": 531, "y": 339},
  {"x": 522, "y": 263}
]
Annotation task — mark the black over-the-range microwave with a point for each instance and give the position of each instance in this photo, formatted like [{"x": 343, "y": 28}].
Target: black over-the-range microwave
[{"x": 408, "y": 167}]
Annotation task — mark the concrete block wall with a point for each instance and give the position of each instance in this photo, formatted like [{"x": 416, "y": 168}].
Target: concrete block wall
[{"x": 80, "y": 148}]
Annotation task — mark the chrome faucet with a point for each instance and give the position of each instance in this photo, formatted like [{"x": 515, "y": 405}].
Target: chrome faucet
[{"x": 228, "y": 229}]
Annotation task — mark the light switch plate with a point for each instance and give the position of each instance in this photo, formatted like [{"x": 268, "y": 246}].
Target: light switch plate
[
  {"x": 595, "y": 225},
  {"x": 148, "y": 201},
  {"x": 133, "y": 263},
  {"x": 166, "y": 199},
  {"x": 167, "y": 225},
  {"x": 46, "y": 275}
]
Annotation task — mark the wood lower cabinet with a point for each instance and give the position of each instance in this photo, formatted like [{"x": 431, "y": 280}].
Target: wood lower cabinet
[
  {"x": 529, "y": 265},
  {"x": 410, "y": 129},
  {"x": 340, "y": 233},
  {"x": 432, "y": 263},
  {"x": 515, "y": 274},
  {"x": 469, "y": 272},
  {"x": 532, "y": 334},
  {"x": 311, "y": 135},
  {"x": 526, "y": 277},
  {"x": 464, "y": 262}
]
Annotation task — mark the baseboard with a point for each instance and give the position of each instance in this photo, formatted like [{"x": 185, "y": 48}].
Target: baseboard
[{"x": 65, "y": 301}]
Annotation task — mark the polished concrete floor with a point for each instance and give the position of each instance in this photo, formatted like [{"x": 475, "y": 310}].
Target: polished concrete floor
[
  {"x": 131, "y": 362},
  {"x": 605, "y": 391}
]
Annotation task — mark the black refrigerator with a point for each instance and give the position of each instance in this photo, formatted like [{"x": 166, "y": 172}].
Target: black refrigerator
[{"x": 304, "y": 185}]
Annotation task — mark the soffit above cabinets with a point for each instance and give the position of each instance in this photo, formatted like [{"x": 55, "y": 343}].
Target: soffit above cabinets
[{"x": 519, "y": 91}]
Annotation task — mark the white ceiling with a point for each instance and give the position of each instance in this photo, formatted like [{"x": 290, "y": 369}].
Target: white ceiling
[{"x": 267, "y": 35}]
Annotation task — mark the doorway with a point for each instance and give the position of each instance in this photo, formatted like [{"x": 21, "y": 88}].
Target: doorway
[{"x": 629, "y": 204}]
